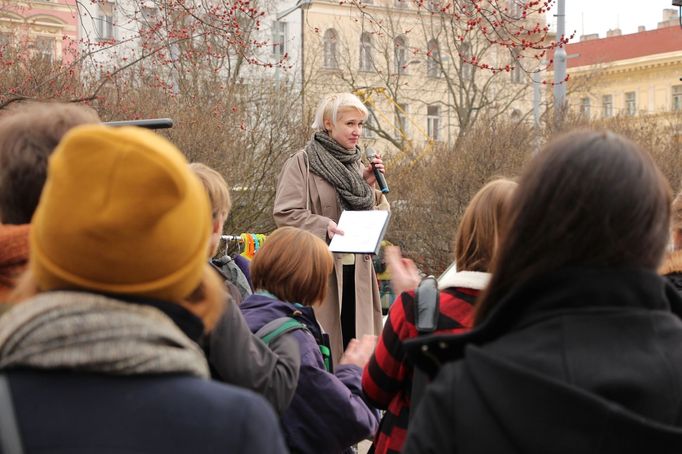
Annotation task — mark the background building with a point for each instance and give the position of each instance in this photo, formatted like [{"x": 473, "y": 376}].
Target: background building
[
  {"x": 419, "y": 70},
  {"x": 634, "y": 74},
  {"x": 47, "y": 29}
]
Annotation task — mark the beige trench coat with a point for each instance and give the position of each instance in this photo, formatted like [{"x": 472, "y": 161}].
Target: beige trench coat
[{"x": 308, "y": 201}]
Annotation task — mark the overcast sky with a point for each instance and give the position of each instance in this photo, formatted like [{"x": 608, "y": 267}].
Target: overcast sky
[{"x": 597, "y": 16}]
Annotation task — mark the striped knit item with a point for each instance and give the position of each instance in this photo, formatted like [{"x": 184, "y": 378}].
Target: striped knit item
[{"x": 387, "y": 378}]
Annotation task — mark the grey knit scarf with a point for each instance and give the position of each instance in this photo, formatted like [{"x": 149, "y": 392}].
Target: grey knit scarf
[
  {"x": 338, "y": 167},
  {"x": 92, "y": 333}
]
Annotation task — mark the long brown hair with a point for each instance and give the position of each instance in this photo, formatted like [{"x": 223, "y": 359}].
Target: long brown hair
[
  {"x": 478, "y": 232},
  {"x": 589, "y": 199}
]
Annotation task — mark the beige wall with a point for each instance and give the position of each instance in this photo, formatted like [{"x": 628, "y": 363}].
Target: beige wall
[
  {"x": 413, "y": 87},
  {"x": 650, "y": 78}
]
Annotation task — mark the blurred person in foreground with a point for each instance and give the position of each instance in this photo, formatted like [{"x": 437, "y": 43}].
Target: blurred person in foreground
[
  {"x": 387, "y": 378},
  {"x": 235, "y": 355},
  {"x": 328, "y": 413},
  {"x": 28, "y": 135},
  {"x": 101, "y": 354},
  {"x": 577, "y": 344}
]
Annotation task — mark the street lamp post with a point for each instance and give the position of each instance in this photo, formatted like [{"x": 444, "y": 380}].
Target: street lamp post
[{"x": 560, "y": 64}]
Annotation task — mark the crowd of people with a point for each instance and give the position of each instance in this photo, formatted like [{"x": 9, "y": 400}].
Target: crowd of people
[{"x": 558, "y": 329}]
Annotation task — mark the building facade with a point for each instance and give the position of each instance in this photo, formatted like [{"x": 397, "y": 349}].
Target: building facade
[
  {"x": 420, "y": 71},
  {"x": 630, "y": 75},
  {"x": 46, "y": 29}
]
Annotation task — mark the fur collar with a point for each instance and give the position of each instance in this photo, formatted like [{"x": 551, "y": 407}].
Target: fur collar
[
  {"x": 672, "y": 264},
  {"x": 475, "y": 280}
]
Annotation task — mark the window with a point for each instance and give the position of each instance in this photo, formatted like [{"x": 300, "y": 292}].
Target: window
[
  {"x": 677, "y": 98},
  {"x": 366, "y": 58},
  {"x": 607, "y": 106},
  {"x": 330, "y": 52},
  {"x": 433, "y": 122},
  {"x": 400, "y": 55},
  {"x": 585, "y": 104},
  {"x": 433, "y": 59},
  {"x": 105, "y": 21},
  {"x": 279, "y": 39},
  {"x": 401, "y": 111},
  {"x": 6, "y": 40},
  {"x": 516, "y": 69},
  {"x": 630, "y": 103},
  {"x": 515, "y": 8},
  {"x": 467, "y": 69},
  {"x": 435, "y": 6},
  {"x": 150, "y": 11},
  {"x": 367, "y": 133},
  {"x": 44, "y": 48}
]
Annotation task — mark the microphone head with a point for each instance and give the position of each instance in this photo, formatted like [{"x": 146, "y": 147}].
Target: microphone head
[{"x": 370, "y": 153}]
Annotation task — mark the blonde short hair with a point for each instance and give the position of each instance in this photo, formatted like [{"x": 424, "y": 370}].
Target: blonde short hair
[
  {"x": 331, "y": 104},
  {"x": 216, "y": 188}
]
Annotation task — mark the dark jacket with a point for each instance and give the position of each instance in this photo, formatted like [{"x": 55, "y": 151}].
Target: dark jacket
[
  {"x": 671, "y": 269},
  {"x": 73, "y": 411},
  {"x": 328, "y": 413},
  {"x": 62, "y": 412},
  {"x": 237, "y": 357},
  {"x": 579, "y": 360}
]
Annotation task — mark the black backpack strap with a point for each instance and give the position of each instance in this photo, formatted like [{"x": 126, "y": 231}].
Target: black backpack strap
[
  {"x": 10, "y": 439},
  {"x": 426, "y": 313}
]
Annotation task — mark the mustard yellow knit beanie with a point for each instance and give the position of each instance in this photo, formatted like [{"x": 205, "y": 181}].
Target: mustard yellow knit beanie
[{"x": 120, "y": 213}]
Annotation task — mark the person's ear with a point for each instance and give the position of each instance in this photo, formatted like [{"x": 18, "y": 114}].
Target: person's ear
[
  {"x": 328, "y": 124},
  {"x": 217, "y": 225}
]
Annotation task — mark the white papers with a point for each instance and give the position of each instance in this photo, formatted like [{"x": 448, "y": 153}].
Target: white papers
[{"x": 362, "y": 231}]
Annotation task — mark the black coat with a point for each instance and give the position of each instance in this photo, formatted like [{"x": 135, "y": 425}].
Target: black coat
[
  {"x": 577, "y": 361},
  {"x": 66, "y": 412},
  {"x": 62, "y": 412}
]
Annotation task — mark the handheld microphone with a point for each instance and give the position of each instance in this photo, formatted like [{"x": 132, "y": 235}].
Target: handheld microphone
[{"x": 381, "y": 180}]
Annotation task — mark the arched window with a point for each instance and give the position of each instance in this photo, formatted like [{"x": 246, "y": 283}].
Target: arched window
[
  {"x": 433, "y": 59},
  {"x": 467, "y": 68},
  {"x": 516, "y": 68},
  {"x": 366, "y": 58},
  {"x": 400, "y": 54},
  {"x": 330, "y": 51}
]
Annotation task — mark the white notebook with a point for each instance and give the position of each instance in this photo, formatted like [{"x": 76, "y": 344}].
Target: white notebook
[{"x": 362, "y": 231}]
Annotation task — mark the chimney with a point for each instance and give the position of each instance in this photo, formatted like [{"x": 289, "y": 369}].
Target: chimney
[
  {"x": 613, "y": 32},
  {"x": 670, "y": 18},
  {"x": 589, "y": 37},
  {"x": 641, "y": 29},
  {"x": 669, "y": 14}
]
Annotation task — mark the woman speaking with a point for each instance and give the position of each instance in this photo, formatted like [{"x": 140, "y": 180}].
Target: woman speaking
[{"x": 314, "y": 187}]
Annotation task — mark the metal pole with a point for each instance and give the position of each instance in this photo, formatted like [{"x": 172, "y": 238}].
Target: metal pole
[
  {"x": 560, "y": 64},
  {"x": 537, "y": 100}
]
